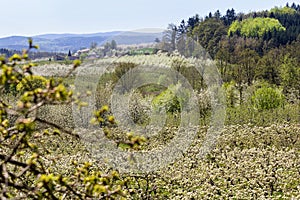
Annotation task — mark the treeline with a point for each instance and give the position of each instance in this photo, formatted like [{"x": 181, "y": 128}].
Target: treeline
[
  {"x": 209, "y": 31},
  {"x": 8, "y": 52},
  {"x": 33, "y": 54},
  {"x": 258, "y": 46}
]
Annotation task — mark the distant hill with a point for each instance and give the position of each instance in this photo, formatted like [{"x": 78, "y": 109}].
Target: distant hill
[{"x": 73, "y": 42}]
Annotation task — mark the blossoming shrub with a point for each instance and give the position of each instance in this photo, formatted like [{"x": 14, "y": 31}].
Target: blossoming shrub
[{"x": 267, "y": 98}]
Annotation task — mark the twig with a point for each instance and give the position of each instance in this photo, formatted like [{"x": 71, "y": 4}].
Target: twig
[{"x": 57, "y": 126}]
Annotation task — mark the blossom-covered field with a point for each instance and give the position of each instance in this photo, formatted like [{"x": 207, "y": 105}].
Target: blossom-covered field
[{"x": 256, "y": 156}]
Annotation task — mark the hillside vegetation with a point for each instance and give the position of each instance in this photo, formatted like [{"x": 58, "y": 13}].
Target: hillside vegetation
[{"x": 170, "y": 96}]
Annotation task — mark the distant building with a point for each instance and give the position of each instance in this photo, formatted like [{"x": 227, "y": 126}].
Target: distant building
[
  {"x": 73, "y": 57},
  {"x": 58, "y": 57},
  {"x": 82, "y": 51}
]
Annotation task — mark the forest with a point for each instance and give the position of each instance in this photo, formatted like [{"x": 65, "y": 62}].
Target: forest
[
  {"x": 210, "y": 111},
  {"x": 247, "y": 47}
]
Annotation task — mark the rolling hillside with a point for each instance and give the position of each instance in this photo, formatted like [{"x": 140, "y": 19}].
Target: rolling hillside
[{"x": 66, "y": 42}]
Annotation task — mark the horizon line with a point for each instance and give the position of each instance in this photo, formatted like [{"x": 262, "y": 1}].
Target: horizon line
[{"x": 141, "y": 30}]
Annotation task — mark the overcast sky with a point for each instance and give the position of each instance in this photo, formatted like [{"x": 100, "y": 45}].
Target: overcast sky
[{"x": 33, "y": 17}]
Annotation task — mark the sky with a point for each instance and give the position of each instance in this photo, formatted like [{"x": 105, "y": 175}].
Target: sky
[{"x": 34, "y": 17}]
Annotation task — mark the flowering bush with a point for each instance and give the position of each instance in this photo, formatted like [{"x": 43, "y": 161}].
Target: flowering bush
[
  {"x": 29, "y": 143},
  {"x": 267, "y": 98},
  {"x": 41, "y": 157}
]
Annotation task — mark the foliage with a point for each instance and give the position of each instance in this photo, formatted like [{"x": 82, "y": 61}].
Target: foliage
[
  {"x": 169, "y": 39},
  {"x": 255, "y": 27},
  {"x": 284, "y": 10},
  {"x": 139, "y": 108},
  {"x": 256, "y": 158},
  {"x": 31, "y": 82},
  {"x": 143, "y": 51},
  {"x": 267, "y": 98},
  {"x": 212, "y": 30},
  {"x": 231, "y": 94},
  {"x": 289, "y": 73},
  {"x": 27, "y": 163},
  {"x": 123, "y": 68},
  {"x": 257, "y": 153},
  {"x": 124, "y": 75},
  {"x": 32, "y": 54},
  {"x": 248, "y": 162},
  {"x": 169, "y": 99},
  {"x": 209, "y": 33}
]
